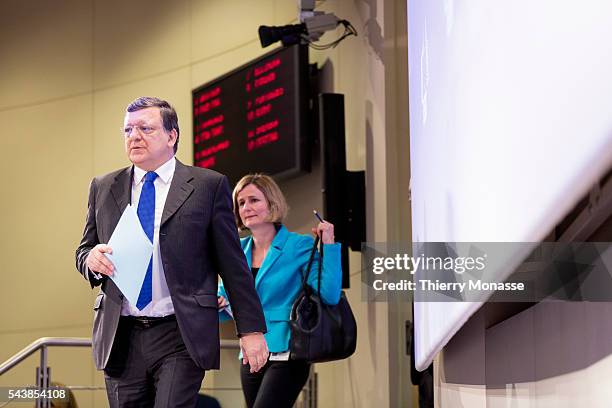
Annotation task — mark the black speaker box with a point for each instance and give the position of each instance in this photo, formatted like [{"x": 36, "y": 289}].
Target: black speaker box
[{"x": 343, "y": 191}]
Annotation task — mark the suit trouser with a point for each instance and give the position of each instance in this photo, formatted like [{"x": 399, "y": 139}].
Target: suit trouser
[
  {"x": 276, "y": 385},
  {"x": 149, "y": 366}
]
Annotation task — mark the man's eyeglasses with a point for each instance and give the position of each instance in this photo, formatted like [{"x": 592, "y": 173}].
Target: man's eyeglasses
[{"x": 143, "y": 130}]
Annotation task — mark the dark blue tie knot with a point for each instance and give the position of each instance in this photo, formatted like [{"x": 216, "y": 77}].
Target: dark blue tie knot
[{"x": 150, "y": 176}]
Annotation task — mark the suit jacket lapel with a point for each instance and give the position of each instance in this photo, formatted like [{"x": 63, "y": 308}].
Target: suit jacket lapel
[
  {"x": 180, "y": 190},
  {"x": 276, "y": 249},
  {"x": 120, "y": 189}
]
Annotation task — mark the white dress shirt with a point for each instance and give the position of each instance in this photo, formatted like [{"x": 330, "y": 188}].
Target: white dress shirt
[{"x": 161, "y": 305}]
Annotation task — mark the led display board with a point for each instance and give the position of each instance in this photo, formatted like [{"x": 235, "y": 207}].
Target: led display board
[{"x": 253, "y": 119}]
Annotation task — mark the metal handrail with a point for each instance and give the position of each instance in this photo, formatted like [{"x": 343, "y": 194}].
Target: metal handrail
[
  {"x": 43, "y": 374},
  {"x": 43, "y": 379},
  {"x": 43, "y": 342}
]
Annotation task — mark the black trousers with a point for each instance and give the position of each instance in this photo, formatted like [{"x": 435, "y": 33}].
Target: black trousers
[
  {"x": 276, "y": 385},
  {"x": 149, "y": 366}
]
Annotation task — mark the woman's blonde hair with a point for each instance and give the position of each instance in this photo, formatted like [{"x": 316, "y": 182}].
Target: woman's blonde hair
[{"x": 274, "y": 196}]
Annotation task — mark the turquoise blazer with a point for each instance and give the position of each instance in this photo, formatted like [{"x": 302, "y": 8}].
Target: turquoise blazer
[{"x": 279, "y": 281}]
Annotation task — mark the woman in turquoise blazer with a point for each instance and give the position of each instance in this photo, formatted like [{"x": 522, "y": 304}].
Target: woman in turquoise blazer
[{"x": 277, "y": 259}]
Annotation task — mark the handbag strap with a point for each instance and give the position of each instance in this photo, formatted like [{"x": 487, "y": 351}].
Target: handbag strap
[
  {"x": 320, "y": 266},
  {"x": 309, "y": 266}
]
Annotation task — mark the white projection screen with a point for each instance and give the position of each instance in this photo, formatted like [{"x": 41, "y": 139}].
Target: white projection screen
[{"x": 510, "y": 125}]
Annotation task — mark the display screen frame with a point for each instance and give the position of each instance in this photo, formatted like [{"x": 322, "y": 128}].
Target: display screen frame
[{"x": 300, "y": 152}]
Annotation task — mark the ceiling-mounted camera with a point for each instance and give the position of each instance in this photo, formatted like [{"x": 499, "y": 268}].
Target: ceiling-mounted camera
[{"x": 313, "y": 24}]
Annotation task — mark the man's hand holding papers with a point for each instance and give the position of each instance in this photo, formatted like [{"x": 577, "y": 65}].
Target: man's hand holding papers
[
  {"x": 125, "y": 257},
  {"x": 98, "y": 263}
]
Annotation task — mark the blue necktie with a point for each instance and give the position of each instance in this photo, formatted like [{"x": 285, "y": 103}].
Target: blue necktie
[{"x": 146, "y": 215}]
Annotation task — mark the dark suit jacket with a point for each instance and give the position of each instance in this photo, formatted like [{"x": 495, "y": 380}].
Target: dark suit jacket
[{"x": 198, "y": 240}]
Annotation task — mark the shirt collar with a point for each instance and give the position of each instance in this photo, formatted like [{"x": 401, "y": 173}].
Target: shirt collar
[{"x": 164, "y": 172}]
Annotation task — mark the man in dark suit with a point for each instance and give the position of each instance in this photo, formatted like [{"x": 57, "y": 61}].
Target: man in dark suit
[{"x": 155, "y": 353}]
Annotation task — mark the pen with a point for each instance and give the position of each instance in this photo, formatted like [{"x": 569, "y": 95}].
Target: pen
[{"x": 317, "y": 215}]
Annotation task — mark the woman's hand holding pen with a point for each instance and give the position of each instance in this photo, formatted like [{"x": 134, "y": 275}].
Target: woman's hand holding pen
[{"x": 325, "y": 230}]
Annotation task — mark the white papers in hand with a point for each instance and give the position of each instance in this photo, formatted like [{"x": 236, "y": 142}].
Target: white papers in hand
[{"x": 132, "y": 252}]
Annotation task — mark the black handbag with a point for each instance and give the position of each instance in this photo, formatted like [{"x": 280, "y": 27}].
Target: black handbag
[{"x": 320, "y": 332}]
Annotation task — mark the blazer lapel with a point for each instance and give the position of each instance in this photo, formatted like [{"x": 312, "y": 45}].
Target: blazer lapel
[
  {"x": 248, "y": 250},
  {"x": 120, "y": 189},
  {"x": 276, "y": 249},
  {"x": 180, "y": 190}
]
